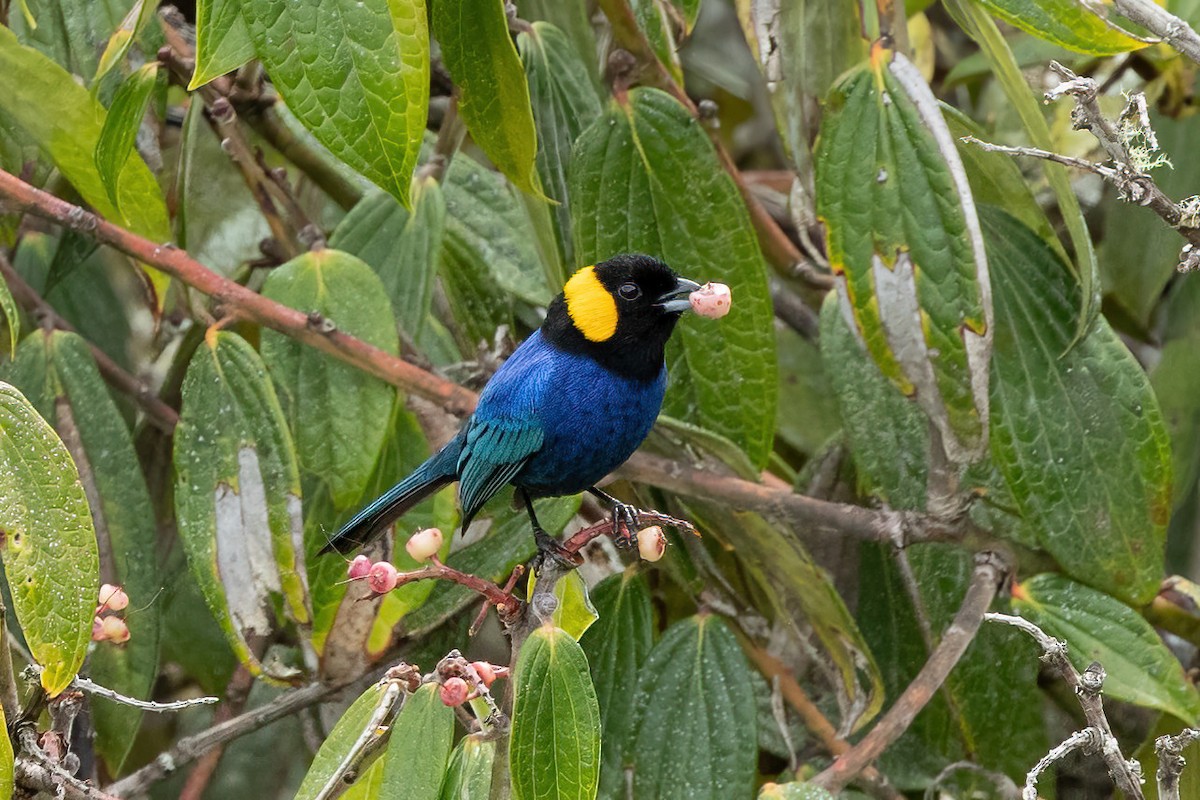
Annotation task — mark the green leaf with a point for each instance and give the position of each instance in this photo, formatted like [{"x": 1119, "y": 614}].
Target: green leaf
[
  {"x": 485, "y": 223},
  {"x": 1096, "y": 627},
  {"x": 237, "y": 493},
  {"x": 1078, "y": 435},
  {"x": 616, "y": 647},
  {"x": 794, "y": 586},
  {"x": 118, "y": 44},
  {"x": 654, "y": 20},
  {"x": 493, "y": 98},
  {"x": 1066, "y": 24},
  {"x": 119, "y": 133},
  {"x": 574, "y": 20},
  {"x": 635, "y": 176},
  {"x": 222, "y": 40},
  {"x": 564, "y": 99},
  {"x": 404, "y": 249},
  {"x": 376, "y": 703},
  {"x": 335, "y": 410},
  {"x": 70, "y": 135},
  {"x": 887, "y": 434},
  {"x": 693, "y": 693},
  {"x": 554, "y": 745},
  {"x": 12, "y": 318},
  {"x": 574, "y": 612},
  {"x": 905, "y": 243},
  {"x": 419, "y": 748},
  {"x": 70, "y": 32},
  {"x": 49, "y": 544},
  {"x": 356, "y": 73},
  {"x": 1176, "y": 380},
  {"x": 979, "y": 26},
  {"x": 368, "y": 784},
  {"x": 56, "y": 373},
  {"x": 469, "y": 774}
]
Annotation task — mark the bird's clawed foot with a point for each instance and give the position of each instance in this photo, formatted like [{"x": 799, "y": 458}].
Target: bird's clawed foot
[
  {"x": 625, "y": 525},
  {"x": 550, "y": 548}
]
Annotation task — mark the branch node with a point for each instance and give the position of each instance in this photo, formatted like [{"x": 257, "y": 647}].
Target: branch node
[{"x": 320, "y": 323}]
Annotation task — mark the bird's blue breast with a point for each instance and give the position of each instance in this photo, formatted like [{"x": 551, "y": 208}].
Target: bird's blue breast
[{"x": 591, "y": 419}]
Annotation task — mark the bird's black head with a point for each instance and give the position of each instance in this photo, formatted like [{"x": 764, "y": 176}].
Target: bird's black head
[{"x": 620, "y": 312}]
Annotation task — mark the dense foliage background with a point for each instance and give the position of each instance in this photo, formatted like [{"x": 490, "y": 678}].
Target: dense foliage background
[{"x": 259, "y": 256}]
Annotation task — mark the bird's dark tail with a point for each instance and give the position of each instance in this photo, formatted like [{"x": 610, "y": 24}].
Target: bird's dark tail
[{"x": 435, "y": 473}]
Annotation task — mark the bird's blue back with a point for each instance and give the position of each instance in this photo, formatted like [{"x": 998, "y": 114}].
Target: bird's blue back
[{"x": 590, "y": 420}]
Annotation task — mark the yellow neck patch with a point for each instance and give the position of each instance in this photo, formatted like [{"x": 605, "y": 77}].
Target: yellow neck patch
[{"x": 591, "y": 306}]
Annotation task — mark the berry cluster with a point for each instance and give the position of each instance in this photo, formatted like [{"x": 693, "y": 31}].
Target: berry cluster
[{"x": 108, "y": 626}]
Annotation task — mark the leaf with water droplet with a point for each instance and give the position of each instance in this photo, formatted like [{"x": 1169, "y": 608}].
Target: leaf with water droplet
[{"x": 51, "y": 560}]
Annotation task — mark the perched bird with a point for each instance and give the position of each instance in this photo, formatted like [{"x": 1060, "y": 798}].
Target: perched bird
[{"x": 568, "y": 407}]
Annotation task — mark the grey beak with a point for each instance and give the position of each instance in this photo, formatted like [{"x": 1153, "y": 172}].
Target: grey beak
[{"x": 677, "y": 300}]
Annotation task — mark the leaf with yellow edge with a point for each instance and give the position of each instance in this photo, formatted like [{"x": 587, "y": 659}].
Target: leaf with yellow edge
[{"x": 48, "y": 541}]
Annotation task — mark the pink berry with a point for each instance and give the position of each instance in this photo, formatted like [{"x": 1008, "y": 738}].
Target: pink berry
[
  {"x": 454, "y": 691},
  {"x": 113, "y": 597},
  {"x": 652, "y": 543},
  {"x": 712, "y": 300},
  {"x": 485, "y": 671},
  {"x": 424, "y": 544},
  {"x": 382, "y": 577},
  {"x": 359, "y": 567},
  {"x": 115, "y": 629},
  {"x": 98, "y": 634}
]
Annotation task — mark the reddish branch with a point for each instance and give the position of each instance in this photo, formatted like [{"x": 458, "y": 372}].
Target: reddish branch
[
  {"x": 250, "y": 305},
  {"x": 985, "y": 582}
]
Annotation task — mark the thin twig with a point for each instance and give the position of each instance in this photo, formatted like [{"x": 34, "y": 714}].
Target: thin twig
[
  {"x": 1086, "y": 740},
  {"x": 157, "y": 412},
  {"x": 40, "y": 776},
  {"x": 190, "y": 748},
  {"x": 986, "y": 579},
  {"x": 504, "y": 601},
  {"x": 1087, "y": 687},
  {"x": 1162, "y": 23},
  {"x": 1130, "y": 178},
  {"x": 1170, "y": 761},
  {"x": 1046, "y": 155},
  {"x": 88, "y": 687}
]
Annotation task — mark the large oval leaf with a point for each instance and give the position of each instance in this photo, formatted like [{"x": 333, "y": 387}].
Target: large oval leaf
[
  {"x": 693, "y": 693},
  {"x": 419, "y": 748},
  {"x": 554, "y": 746},
  {"x": 565, "y": 102},
  {"x": 1067, "y": 24},
  {"x": 403, "y": 248},
  {"x": 1096, "y": 627},
  {"x": 48, "y": 541},
  {"x": 493, "y": 96},
  {"x": 336, "y": 411},
  {"x": 58, "y": 376},
  {"x": 616, "y": 646},
  {"x": 469, "y": 774},
  {"x": 645, "y": 178},
  {"x": 1077, "y": 435},
  {"x": 356, "y": 73},
  {"x": 905, "y": 244},
  {"x": 237, "y": 493}
]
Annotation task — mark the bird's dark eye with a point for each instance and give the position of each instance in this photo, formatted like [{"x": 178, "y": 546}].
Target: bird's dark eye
[{"x": 630, "y": 291}]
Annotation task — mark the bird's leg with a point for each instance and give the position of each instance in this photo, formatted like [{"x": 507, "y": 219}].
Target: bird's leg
[
  {"x": 624, "y": 520},
  {"x": 547, "y": 545}
]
